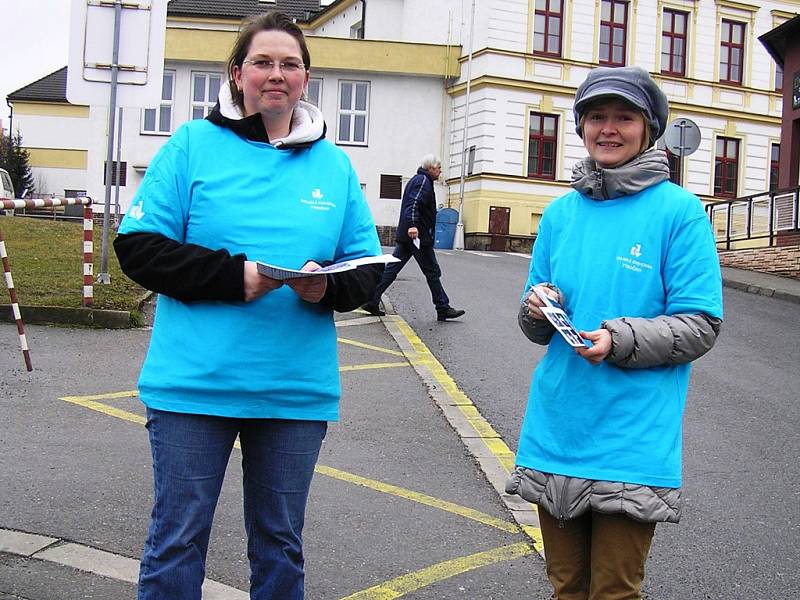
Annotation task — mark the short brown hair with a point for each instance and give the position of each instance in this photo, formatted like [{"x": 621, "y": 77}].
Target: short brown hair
[{"x": 269, "y": 21}]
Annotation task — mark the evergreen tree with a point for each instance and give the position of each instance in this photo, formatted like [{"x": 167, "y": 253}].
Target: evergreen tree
[{"x": 14, "y": 159}]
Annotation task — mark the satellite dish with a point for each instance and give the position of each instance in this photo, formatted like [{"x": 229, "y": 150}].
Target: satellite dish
[{"x": 682, "y": 137}]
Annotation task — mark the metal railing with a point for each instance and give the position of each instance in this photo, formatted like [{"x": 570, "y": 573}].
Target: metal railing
[{"x": 743, "y": 222}]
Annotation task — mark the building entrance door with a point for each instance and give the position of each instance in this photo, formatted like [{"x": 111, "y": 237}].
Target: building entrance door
[{"x": 499, "y": 217}]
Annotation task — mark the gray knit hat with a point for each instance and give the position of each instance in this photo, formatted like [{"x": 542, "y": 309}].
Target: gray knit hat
[{"x": 632, "y": 84}]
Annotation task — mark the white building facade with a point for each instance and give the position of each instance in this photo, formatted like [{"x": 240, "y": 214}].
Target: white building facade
[{"x": 402, "y": 92}]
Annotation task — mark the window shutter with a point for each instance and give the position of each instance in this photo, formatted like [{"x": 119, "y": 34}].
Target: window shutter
[
  {"x": 391, "y": 187},
  {"x": 123, "y": 174},
  {"x": 784, "y": 212}
]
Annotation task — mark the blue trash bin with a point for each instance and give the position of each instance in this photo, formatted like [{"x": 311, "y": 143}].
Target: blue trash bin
[{"x": 446, "y": 221}]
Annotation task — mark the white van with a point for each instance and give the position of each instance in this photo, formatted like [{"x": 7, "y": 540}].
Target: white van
[{"x": 6, "y": 187}]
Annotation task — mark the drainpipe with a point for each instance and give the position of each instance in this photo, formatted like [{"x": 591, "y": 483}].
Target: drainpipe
[
  {"x": 458, "y": 242},
  {"x": 363, "y": 18},
  {"x": 10, "y": 118}
]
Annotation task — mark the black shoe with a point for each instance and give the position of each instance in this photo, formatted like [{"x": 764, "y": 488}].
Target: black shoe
[
  {"x": 449, "y": 313},
  {"x": 374, "y": 310}
]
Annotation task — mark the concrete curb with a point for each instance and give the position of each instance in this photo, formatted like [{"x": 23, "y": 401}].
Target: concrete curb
[
  {"x": 59, "y": 315},
  {"x": 761, "y": 290},
  {"x": 486, "y": 446},
  {"x": 82, "y": 317},
  {"x": 93, "y": 560}
]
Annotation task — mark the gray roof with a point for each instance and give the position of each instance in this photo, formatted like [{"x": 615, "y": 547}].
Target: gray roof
[
  {"x": 50, "y": 88},
  {"x": 301, "y": 10},
  {"x": 775, "y": 41}
]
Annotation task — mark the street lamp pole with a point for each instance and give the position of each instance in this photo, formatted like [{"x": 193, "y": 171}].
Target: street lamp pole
[{"x": 458, "y": 243}]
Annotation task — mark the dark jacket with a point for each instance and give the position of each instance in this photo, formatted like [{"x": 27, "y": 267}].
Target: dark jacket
[
  {"x": 189, "y": 272},
  {"x": 418, "y": 209}
]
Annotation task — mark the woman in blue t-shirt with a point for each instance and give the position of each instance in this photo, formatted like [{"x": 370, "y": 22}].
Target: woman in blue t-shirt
[
  {"x": 235, "y": 354},
  {"x": 631, "y": 259}
]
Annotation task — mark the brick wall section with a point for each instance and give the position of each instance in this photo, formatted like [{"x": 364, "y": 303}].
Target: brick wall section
[
  {"x": 782, "y": 260},
  {"x": 386, "y": 234}
]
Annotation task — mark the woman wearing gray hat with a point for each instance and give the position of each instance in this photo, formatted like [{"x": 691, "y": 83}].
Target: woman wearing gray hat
[{"x": 631, "y": 259}]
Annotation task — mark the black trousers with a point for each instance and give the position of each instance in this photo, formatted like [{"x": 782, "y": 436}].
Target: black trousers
[{"x": 426, "y": 259}]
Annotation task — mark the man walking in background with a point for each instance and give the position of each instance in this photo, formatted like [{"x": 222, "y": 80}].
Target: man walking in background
[{"x": 414, "y": 237}]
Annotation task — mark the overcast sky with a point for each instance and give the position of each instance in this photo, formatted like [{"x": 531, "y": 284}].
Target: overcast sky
[{"x": 34, "y": 42}]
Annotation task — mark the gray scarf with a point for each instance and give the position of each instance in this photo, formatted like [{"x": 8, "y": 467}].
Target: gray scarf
[{"x": 649, "y": 168}]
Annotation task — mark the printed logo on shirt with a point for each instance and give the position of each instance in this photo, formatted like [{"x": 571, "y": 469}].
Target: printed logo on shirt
[
  {"x": 634, "y": 264},
  {"x": 136, "y": 211},
  {"x": 317, "y": 201}
]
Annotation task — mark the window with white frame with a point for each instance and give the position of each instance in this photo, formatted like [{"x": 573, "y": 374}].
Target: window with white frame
[
  {"x": 353, "y": 112},
  {"x": 159, "y": 120},
  {"x": 205, "y": 89},
  {"x": 314, "y": 91}
]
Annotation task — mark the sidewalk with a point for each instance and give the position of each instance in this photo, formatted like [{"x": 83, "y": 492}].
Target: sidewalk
[{"x": 764, "y": 284}]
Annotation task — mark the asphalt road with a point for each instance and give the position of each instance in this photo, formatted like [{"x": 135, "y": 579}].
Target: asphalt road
[
  {"x": 740, "y": 532},
  {"x": 397, "y": 501}
]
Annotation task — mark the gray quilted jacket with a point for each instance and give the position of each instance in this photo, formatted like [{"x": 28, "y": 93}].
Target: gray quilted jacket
[{"x": 635, "y": 343}]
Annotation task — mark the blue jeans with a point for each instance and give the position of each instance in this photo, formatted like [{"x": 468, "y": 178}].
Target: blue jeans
[
  {"x": 190, "y": 454},
  {"x": 426, "y": 259}
]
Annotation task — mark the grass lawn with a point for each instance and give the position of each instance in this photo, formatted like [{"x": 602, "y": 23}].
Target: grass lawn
[{"x": 46, "y": 259}]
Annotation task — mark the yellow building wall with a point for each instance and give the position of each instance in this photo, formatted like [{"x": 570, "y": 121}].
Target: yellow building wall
[
  {"x": 57, "y": 158},
  {"x": 526, "y": 209},
  {"x": 51, "y": 109},
  {"x": 326, "y": 53}
]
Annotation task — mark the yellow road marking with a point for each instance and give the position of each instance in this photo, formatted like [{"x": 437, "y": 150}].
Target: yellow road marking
[
  {"x": 485, "y": 431},
  {"x": 379, "y": 486},
  {"x": 87, "y": 402},
  {"x": 370, "y": 347},
  {"x": 130, "y": 394},
  {"x": 420, "y": 498},
  {"x": 411, "y": 582},
  {"x": 465, "y": 405},
  {"x": 535, "y": 533},
  {"x": 374, "y": 366}
]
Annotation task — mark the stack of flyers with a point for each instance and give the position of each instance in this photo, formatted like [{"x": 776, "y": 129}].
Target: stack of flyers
[
  {"x": 283, "y": 273},
  {"x": 559, "y": 319}
]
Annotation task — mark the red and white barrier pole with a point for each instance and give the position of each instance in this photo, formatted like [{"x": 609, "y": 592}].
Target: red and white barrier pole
[
  {"x": 23, "y": 342},
  {"x": 88, "y": 254},
  {"x": 88, "y": 257}
]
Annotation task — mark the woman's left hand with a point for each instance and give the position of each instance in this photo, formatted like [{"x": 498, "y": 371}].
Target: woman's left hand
[
  {"x": 310, "y": 289},
  {"x": 601, "y": 345}
]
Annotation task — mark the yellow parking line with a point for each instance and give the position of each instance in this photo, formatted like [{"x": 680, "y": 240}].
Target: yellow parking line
[
  {"x": 411, "y": 582},
  {"x": 460, "y": 399},
  {"x": 374, "y": 366},
  {"x": 371, "y": 347},
  {"x": 450, "y": 507},
  {"x": 111, "y": 396},
  {"x": 386, "y": 488},
  {"x": 87, "y": 402},
  {"x": 486, "y": 433}
]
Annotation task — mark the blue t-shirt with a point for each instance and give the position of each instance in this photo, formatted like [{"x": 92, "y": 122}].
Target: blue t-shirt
[
  {"x": 643, "y": 255},
  {"x": 275, "y": 357}
]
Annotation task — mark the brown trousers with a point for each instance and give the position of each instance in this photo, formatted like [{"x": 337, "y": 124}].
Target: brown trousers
[{"x": 596, "y": 556}]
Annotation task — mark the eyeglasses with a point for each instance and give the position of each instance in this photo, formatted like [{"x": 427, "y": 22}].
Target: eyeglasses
[{"x": 286, "y": 66}]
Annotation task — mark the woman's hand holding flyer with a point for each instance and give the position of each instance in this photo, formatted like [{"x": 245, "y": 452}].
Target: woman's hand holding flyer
[{"x": 554, "y": 313}]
